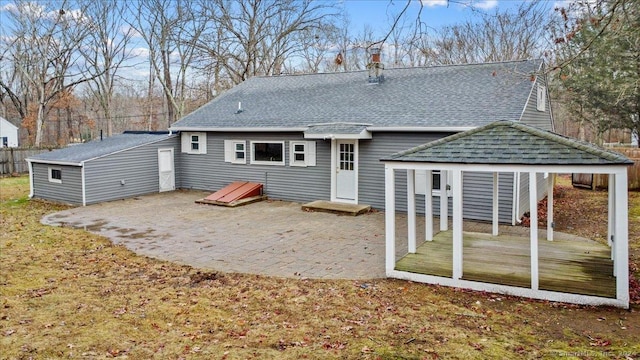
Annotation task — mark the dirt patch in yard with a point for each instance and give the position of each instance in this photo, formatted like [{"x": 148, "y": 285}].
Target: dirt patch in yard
[{"x": 68, "y": 293}]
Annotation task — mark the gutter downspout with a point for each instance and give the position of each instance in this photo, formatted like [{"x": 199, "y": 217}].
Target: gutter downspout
[
  {"x": 30, "y": 164},
  {"x": 516, "y": 199},
  {"x": 84, "y": 192}
]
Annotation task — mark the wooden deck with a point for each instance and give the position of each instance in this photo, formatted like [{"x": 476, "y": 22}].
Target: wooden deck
[{"x": 572, "y": 266}]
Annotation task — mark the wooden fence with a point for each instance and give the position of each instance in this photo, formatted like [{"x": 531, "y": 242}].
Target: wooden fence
[
  {"x": 12, "y": 160},
  {"x": 601, "y": 181}
]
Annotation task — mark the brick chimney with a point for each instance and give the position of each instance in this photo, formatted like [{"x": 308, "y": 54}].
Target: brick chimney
[{"x": 375, "y": 67}]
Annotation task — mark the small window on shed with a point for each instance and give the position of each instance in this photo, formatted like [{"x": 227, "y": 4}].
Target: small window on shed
[
  {"x": 542, "y": 98},
  {"x": 55, "y": 175}
]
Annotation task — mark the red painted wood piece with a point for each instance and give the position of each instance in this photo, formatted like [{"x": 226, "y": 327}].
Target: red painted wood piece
[{"x": 236, "y": 191}]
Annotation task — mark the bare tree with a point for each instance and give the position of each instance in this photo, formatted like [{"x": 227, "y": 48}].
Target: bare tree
[
  {"x": 257, "y": 36},
  {"x": 43, "y": 49},
  {"x": 108, "y": 51},
  {"x": 170, "y": 29},
  {"x": 499, "y": 36}
]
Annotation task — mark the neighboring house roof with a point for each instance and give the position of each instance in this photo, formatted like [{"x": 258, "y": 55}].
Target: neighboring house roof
[
  {"x": 507, "y": 142},
  {"x": 6, "y": 122},
  {"x": 450, "y": 97},
  {"x": 77, "y": 154}
]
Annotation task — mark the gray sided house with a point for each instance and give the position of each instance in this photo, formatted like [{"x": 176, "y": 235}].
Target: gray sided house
[
  {"x": 321, "y": 136},
  {"x": 117, "y": 167}
]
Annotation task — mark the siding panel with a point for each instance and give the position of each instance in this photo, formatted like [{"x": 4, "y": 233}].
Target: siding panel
[
  {"x": 478, "y": 187},
  {"x": 138, "y": 167},
  {"x": 531, "y": 115},
  {"x": 302, "y": 184},
  {"x": 69, "y": 191}
]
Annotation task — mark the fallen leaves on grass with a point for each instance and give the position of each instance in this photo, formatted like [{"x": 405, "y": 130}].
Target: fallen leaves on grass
[{"x": 62, "y": 286}]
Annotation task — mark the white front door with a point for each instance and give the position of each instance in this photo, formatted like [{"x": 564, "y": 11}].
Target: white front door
[
  {"x": 346, "y": 170},
  {"x": 166, "y": 172}
]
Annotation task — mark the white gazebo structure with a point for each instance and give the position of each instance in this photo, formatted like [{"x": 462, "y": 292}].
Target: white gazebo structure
[{"x": 575, "y": 270}]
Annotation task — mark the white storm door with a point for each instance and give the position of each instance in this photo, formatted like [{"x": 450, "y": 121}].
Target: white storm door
[
  {"x": 166, "y": 171},
  {"x": 346, "y": 172}
]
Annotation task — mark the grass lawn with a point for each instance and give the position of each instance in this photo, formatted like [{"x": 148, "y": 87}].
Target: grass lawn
[{"x": 68, "y": 293}]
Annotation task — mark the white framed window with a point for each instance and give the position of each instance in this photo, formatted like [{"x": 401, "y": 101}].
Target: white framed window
[
  {"x": 421, "y": 178},
  {"x": 194, "y": 142},
  {"x": 267, "y": 152},
  {"x": 541, "y": 104},
  {"x": 55, "y": 175},
  {"x": 302, "y": 153},
  {"x": 235, "y": 151}
]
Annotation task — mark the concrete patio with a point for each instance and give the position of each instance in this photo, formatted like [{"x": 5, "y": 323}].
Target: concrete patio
[{"x": 274, "y": 238}]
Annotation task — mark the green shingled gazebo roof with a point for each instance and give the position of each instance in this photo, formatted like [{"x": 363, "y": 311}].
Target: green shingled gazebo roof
[{"x": 508, "y": 142}]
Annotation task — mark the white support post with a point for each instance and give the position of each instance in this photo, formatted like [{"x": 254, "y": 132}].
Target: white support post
[
  {"x": 612, "y": 215},
  {"x": 444, "y": 202},
  {"x": 428, "y": 207},
  {"x": 496, "y": 204},
  {"x": 390, "y": 219},
  {"x": 621, "y": 237},
  {"x": 457, "y": 224},
  {"x": 533, "y": 210},
  {"x": 411, "y": 211},
  {"x": 550, "y": 183}
]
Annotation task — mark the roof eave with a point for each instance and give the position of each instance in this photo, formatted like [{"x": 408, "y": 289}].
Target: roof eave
[
  {"x": 54, "y": 162},
  {"x": 238, "y": 129},
  {"x": 420, "y": 128},
  {"x": 363, "y": 135}
]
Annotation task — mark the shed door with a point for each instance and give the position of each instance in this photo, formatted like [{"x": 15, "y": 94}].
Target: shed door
[
  {"x": 346, "y": 176},
  {"x": 166, "y": 172}
]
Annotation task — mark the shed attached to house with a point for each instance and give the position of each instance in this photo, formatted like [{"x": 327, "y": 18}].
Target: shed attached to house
[{"x": 117, "y": 167}]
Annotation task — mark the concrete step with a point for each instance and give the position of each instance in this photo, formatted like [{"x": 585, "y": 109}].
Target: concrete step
[{"x": 336, "y": 207}]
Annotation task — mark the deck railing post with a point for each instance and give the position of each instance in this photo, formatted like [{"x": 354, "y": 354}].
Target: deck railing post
[
  {"x": 612, "y": 214},
  {"x": 411, "y": 211},
  {"x": 458, "y": 245},
  {"x": 444, "y": 202},
  {"x": 428, "y": 207},
  {"x": 533, "y": 210},
  {"x": 496, "y": 204},
  {"x": 621, "y": 239},
  {"x": 390, "y": 219},
  {"x": 550, "y": 183}
]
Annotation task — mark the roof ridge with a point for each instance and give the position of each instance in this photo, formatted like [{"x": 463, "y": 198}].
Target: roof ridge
[
  {"x": 402, "y": 68},
  {"x": 449, "y": 138},
  {"x": 566, "y": 141},
  {"x": 590, "y": 148}
]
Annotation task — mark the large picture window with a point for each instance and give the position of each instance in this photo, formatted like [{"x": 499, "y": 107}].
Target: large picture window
[{"x": 267, "y": 152}]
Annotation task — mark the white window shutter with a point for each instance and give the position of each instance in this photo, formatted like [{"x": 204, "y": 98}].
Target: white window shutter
[
  {"x": 202, "y": 139},
  {"x": 229, "y": 151},
  {"x": 186, "y": 142},
  {"x": 291, "y": 155},
  {"x": 310, "y": 156}
]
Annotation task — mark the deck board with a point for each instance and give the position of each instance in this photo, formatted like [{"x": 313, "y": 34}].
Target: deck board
[{"x": 572, "y": 266}]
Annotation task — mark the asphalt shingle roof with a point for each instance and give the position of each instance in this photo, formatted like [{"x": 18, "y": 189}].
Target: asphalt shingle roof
[
  {"x": 76, "y": 154},
  {"x": 337, "y": 128},
  {"x": 507, "y": 142},
  {"x": 439, "y": 97}
]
